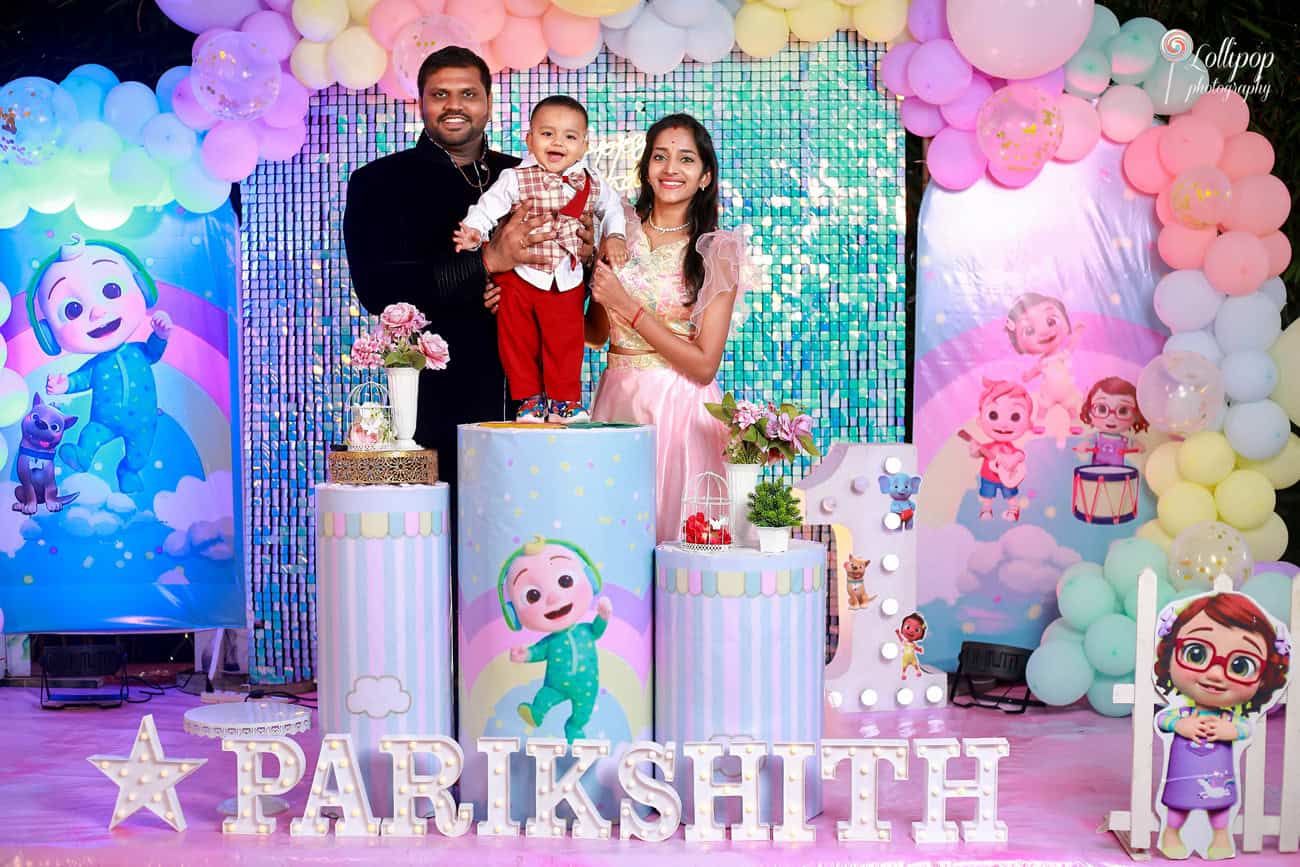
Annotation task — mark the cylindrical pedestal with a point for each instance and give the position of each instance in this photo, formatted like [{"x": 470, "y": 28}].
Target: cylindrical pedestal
[
  {"x": 740, "y": 652},
  {"x": 589, "y": 494},
  {"x": 383, "y": 619}
]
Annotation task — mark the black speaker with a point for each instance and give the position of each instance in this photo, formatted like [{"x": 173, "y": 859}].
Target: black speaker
[
  {"x": 82, "y": 662},
  {"x": 994, "y": 676}
]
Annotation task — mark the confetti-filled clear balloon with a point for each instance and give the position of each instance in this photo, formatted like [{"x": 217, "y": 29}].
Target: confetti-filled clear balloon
[
  {"x": 35, "y": 116},
  {"x": 235, "y": 78},
  {"x": 418, "y": 40},
  {"x": 1019, "y": 128},
  {"x": 1180, "y": 392},
  {"x": 1204, "y": 551}
]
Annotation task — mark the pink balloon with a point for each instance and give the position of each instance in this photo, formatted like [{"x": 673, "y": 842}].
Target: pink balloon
[
  {"x": 962, "y": 111},
  {"x": 418, "y": 39},
  {"x": 1165, "y": 210},
  {"x": 1125, "y": 111},
  {"x": 1224, "y": 108},
  {"x": 278, "y": 5},
  {"x": 489, "y": 54},
  {"x": 919, "y": 117},
  {"x": 290, "y": 107},
  {"x": 1082, "y": 129},
  {"x": 1260, "y": 205},
  {"x": 388, "y": 17},
  {"x": 432, "y": 7},
  {"x": 1181, "y": 247},
  {"x": 893, "y": 68},
  {"x": 1200, "y": 197},
  {"x": 485, "y": 19},
  {"x": 520, "y": 44},
  {"x": 1279, "y": 252},
  {"x": 230, "y": 151},
  {"x": 187, "y": 108},
  {"x": 1190, "y": 141},
  {"x": 391, "y": 85},
  {"x": 954, "y": 159},
  {"x": 1019, "y": 38},
  {"x": 568, "y": 34},
  {"x": 1019, "y": 129},
  {"x": 1236, "y": 263},
  {"x": 928, "y": 19},
  {"x": 273, "y": 31},
  {"x": 1142, "y": 164},
  {"x": 527, "y": 8},
  {"x": 279, "y": 143},
  {"x": 1246, "y": 153},
  {"x": 1012, "y": 178},
  {"x": 1051, "y": 83},
  {"x": 937, "y": 72}
]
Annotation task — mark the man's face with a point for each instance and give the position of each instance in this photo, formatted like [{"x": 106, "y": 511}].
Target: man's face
[{"x": 454, "y": 105}]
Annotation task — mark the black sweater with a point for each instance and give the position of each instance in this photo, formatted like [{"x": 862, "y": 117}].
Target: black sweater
[{"x": 401, "y": 211}]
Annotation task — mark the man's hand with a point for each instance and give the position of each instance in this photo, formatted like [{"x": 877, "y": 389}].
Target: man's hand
[
  {"x": 492, "y": 297},
  {"x": 509, "y": 245},
  {"x": 587, "y": 235}
]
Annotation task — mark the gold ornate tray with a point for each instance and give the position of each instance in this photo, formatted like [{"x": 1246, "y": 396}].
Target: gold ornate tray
[{"x": 396, "y": 467}]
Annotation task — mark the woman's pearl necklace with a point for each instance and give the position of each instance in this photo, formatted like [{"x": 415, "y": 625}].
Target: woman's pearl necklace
[{"x": 666, "y": 230}]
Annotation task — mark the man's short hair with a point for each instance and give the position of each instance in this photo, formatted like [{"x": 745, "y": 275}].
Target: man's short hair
[
  {"x": 561, "y": 101},
  {"x": 453, "y": 56}
]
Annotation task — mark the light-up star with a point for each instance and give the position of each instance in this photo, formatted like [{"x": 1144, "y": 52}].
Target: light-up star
[{"x": 146, "y": 778}]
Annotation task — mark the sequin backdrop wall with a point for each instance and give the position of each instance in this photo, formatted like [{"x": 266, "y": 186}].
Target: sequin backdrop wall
[{"x": 811, "y": 155}]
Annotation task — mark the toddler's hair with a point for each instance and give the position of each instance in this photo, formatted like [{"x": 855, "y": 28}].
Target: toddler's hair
[{"x": 561, "y": 101}]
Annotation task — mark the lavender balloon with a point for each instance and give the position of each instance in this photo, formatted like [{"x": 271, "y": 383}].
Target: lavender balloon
[
  {"x": 937, "y": 72},
  {"x": 233, "y": 77}
]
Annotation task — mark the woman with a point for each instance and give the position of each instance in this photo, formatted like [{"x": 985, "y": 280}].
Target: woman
[{"x": 667, "y": 312}]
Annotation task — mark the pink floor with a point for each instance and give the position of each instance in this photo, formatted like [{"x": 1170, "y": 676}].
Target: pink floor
[{"x": 1066, "y": 770}]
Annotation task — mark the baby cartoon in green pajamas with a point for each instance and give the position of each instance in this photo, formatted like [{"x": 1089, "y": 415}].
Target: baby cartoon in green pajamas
[{"x": 547, "y": 586}]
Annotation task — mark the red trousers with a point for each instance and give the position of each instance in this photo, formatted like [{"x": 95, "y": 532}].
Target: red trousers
[{"x": 539, "y": 336}]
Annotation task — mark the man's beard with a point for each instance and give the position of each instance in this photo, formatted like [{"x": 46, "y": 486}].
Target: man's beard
[{"x": 467, "y": 134}]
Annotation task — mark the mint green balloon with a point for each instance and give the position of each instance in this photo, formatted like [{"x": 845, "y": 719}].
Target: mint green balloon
[
  {"x": 1131, "y": 56},
  {"x": 1272, "y": 590},
  {"x": 1087, "y": 73},
  {"x": 1072, "y": 572},
  {"x": 1085, "y": 598},
  {"x": 1059, "y": 630},
  {"x": 1100, "y": 696},
  {"x": 1128, "y": 557},
  {"x": 1111, "y": 645},
  {"x": 1164, "y": 595},
  {"x": 1059, "y": 673}
]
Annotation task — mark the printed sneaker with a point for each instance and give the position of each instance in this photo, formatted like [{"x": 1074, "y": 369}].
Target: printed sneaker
[
  {"x": 568, "y": 412},
  {"x": 532, "y": 410}
]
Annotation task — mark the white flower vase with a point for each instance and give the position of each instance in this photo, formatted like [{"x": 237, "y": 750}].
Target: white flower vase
[
  {"x": 741, "y": 481},
  {"x": 404, "y": 395},
  {"x": 773, "y": 540}
]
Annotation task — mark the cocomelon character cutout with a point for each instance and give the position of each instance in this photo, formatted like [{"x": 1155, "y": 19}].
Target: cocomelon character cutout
[
  {"x": 547, "y": 585},
  {"x": 1221, "y": 664},
  {"x": 855, "y": 573},
  {"x": 900, "y": 487},
  {"x": 1005, "y": 415},
  {"x": 1039, "y": 325},
  {"x": 909, "y": 633},
  {"x": 1111, "y": 410},
  {"x": 89, "y": 298}
]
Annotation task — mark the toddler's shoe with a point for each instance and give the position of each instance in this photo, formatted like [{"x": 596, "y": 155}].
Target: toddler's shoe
[
  {"x": 568, "y": 412},
  {"x": 532, "y": 411}
]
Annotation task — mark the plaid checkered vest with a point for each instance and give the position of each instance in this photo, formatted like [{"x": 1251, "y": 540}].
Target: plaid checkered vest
[{"x": 549, "y": 192}]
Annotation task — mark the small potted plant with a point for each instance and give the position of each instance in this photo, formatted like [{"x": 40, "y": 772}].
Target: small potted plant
[{"x": 773, "y": 510}]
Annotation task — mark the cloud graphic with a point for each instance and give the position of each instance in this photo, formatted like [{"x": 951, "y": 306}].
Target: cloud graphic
[
  {"x": 1025, "y": 559},
  {"x": 377, "y": 697},
  {"x": 200, "y": 514},
  {"x": 174, "y": 575}
]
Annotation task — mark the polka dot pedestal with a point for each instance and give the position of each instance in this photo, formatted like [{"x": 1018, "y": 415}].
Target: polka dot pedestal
[{"x": 591, "y": 493}]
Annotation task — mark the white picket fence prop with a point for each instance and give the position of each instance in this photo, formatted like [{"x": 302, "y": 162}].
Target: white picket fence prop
[{"x": 1136, "y": 826}]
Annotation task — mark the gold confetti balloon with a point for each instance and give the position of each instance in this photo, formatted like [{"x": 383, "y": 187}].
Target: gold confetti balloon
[
  {"x": 234, "y": 77},
  {"x": 1019, "y": 129},
  {"x": 1204, "y": 551}
]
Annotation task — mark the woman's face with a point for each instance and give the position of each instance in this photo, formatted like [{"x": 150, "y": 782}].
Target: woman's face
[{"x": 676, "y": 172}]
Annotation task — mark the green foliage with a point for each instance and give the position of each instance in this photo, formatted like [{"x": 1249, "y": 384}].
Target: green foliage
[
  {"x": 404, "y": 356},
  {"x": 772, "y": 504},
  {"x": 759, "y": 434}
]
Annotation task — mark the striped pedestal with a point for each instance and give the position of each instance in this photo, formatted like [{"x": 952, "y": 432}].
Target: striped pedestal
[
  {"x": 383, "y": 598},
  {"x": 740, "y": 645}
]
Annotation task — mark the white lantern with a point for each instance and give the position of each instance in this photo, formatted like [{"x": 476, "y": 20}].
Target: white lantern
[
  {"x": 706, "y": 514},
  {"x": 370, "y": 425}
]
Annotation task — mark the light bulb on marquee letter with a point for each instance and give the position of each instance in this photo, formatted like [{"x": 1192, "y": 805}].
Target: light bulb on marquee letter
[
  {"x": 705, "y": 827},
  {"x": 863, "y": 755},
  {"x": 451, "y": 820},
  {"x": 793, "y": 827},
  {"x": 588, "y": 822},
  {"x": 655, "y": 794},
  {"x": 253, "y": 784},
  {"x": 498, "y": 752},
  {"x": 337, "y": 755},
  {"x": 938, "y": 789}
]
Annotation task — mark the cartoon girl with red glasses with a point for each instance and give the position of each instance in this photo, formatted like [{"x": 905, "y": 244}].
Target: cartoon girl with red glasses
[{"x": 1221, "y": 662}]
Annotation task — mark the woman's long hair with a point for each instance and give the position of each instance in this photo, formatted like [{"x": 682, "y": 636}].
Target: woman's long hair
[{"x": 703, "y": 210}]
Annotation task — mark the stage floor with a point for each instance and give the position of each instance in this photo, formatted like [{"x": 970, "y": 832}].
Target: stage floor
[{"x": 1067, "y": 768}]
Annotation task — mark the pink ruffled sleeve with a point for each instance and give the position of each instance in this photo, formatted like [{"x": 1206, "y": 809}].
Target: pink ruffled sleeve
[{"x": 728, "y": 268}]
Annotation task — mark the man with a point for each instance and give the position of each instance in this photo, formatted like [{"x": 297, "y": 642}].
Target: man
[{"x": 401, "y": 212}]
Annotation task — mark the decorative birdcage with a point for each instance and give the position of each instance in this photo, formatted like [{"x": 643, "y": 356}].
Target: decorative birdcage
[
  {"x": 706, "y": 514},
  {"x": 370, "y": 419}
]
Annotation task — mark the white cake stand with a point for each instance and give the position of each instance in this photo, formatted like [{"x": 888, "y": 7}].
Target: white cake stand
[{"x": 242, "y": 719}]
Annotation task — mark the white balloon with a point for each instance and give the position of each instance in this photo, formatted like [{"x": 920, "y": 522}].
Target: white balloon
[
  {"x": 1185, "y": 300},
  {"x": 1201, "y": 342},
  {"x": 623, "y": 20},
  {"x": 713, "y": 38},
  {"x": 654, "y": 46},
  {"x": 1248, "y": 375},
  {"x": 1247, "y": 322},
  {"x": 1257, "y": 430},
  {"x": 615, "y": 40},
  {"x": 683, "y": 13},
  {"x": 576, "y": 62},
  {"x": 1275, "y": 289}
]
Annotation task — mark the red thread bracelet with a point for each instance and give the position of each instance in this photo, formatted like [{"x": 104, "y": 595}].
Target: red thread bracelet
[{"x": 637, "y": 316}]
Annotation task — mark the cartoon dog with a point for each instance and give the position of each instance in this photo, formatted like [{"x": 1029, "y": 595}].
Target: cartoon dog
[
  {"x": 901, "y": 487},
  {"x": 855, "y": 568},
  {"x": 42, "y": 431}
]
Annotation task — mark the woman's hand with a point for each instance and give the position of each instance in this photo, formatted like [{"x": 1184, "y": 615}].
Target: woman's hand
[
  {"x": 508, "y": 248},
  {"x": 607, "y": 291}
]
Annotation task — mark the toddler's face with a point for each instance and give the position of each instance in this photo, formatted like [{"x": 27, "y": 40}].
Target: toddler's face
[
  {"x": 557, "y": 137},
  {"x": 1041, "y": 329},
  {"x": 1005, "y": 419},
  {"x": 550, "y": 590},
  {"x": 1217, "y": 665},
  {"x": 92, "y": 302},
  {"x": 1113, "y": 413}
]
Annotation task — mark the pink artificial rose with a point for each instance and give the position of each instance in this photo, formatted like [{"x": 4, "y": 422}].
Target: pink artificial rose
[
  {"x": 747, "y": 414},
  {"x": 402, "y": 320},
  {"x": 434, "y": 350},
  {"x": 368, "y": 351},
  {"x": 782, "y": 428},
  {"x": 803, "y": 425}
]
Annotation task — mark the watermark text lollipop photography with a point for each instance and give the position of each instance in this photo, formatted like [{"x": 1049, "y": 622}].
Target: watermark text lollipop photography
[{"x": 1229, "y": 64}]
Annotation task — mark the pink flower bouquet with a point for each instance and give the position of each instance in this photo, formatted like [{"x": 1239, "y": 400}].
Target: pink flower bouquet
[
  {"x": 400, "y": 342},
  {"x": 762, "y": 434}
]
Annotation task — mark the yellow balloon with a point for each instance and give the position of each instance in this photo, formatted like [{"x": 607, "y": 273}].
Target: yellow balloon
[
  {"x": 814, "y": 20},
  {"x": 1283, "y": 469},
  {"x": 761, "y": 31},
  {"x": 1286, "y": 354},
  {"x": 1245, "y": 499},
  {"x": 783, "y": 4},
  {"x": 1267, "y": 543},
  {"x": 1183, "y": 505},
  {"x": 1161, "y": 470},
  {"x": 880, "y": 20},
  {"x": 1152, "y": 532},
  {"x": 356, "y": 59},
  {"x": 310, "y": 64},
  {"x": 595, "y": 8},
  {"x": 1206, "y": 458}
]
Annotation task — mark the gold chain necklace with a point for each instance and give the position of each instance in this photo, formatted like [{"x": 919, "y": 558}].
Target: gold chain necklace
[{"x": 481, "y": 179}]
